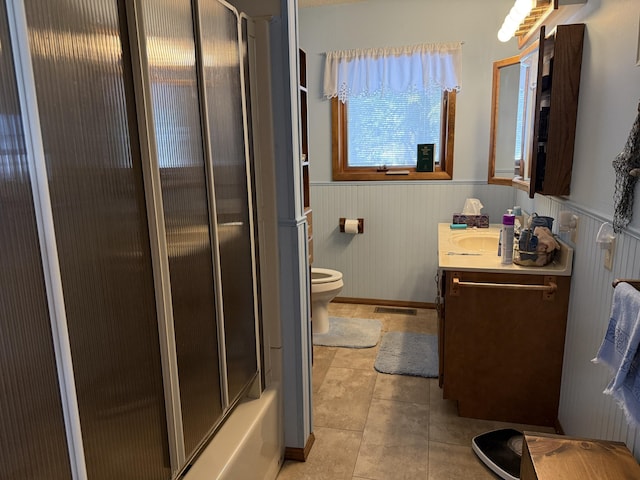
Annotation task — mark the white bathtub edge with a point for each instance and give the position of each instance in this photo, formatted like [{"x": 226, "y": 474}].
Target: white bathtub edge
[{"x": 249, "y": 445}]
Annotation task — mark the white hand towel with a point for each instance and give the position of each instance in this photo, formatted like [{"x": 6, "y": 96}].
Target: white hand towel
[{"x": 619, "y": 351}]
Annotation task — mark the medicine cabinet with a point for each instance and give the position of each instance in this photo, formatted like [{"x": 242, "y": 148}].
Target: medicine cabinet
[{"x": 534, "y": 111}]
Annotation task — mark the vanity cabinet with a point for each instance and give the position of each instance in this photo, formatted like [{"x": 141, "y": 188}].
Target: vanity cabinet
[
  {"x": 556, "y": 109},
  {"x": 501, "y": 344}
]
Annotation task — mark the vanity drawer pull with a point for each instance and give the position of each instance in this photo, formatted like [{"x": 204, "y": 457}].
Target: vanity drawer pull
[{"x": 548, "y": 290}]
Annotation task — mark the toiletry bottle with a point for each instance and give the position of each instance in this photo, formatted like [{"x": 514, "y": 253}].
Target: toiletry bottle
[
  {"x": 508, "y": 220},
  {"x": 518, "y": 226}
]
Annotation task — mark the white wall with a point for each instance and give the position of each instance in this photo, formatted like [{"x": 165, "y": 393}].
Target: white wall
[{"x": 609, "y": 95}]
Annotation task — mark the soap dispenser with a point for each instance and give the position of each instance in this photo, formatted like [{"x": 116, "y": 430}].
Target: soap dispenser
[{"x": 508, "y": 220}]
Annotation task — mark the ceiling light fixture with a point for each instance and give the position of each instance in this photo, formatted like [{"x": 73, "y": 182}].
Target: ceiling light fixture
[{"x": 519, "y": 11}]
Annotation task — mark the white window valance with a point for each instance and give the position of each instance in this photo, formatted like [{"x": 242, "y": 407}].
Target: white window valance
[{"x": 349, "y": 73}]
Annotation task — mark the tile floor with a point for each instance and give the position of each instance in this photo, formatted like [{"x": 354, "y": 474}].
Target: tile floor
[{"x": 374, "y": 426}]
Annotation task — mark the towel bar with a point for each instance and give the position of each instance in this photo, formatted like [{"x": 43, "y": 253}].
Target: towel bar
[
  {"x": 548, "y": 290},
  {"x": 635, "y": 283}
]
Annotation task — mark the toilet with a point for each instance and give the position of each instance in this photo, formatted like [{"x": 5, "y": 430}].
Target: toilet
[{"x": 325, "y": 285}]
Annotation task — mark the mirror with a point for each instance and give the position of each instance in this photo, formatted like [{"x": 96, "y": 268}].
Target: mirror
[{"x": 512, "y": 117}]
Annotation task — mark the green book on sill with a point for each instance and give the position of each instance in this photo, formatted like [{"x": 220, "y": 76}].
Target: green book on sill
[{"x": 425, "y": 157}]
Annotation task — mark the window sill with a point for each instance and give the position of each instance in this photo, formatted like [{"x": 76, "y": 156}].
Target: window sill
[{"x": 372, "y": 175}]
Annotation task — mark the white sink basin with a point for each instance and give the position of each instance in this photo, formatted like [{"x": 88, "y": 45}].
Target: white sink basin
[
  {"x": 481, "y": 242},
  {"x": 477, "y": 250}
]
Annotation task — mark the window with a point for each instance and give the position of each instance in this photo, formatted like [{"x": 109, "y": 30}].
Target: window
[
  {"x": 376, "y": 137},
  {"x": 386, "y": 102}
]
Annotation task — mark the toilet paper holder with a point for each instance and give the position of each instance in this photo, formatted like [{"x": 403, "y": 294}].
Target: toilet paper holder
[{"x": 360, "y": 224}]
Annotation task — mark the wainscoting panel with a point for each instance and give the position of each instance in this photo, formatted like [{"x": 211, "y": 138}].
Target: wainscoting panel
[
  {"x": 584, "y": 410},
  {"x": 396, "y": 256}
]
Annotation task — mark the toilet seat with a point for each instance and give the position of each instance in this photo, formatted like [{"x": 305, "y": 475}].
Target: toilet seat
[
  {"x": 324, "y": 275},
  {"x": 326, "y": 284}
]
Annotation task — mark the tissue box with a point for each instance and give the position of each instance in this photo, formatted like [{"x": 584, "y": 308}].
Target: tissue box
[{"x": 480, "y": 221}]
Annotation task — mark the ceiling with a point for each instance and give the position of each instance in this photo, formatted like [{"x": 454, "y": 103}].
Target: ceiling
[{"x": 315, "y": 3}]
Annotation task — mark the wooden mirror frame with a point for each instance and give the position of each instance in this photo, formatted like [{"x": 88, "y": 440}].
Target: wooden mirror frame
[
  {"x": 495, "y": 104},
  {"x": 517, "y": 180}
]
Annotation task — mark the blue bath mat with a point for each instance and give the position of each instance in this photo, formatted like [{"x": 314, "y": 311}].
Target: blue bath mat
[
  {"x": 349, "y": 333},
  {"x": 406, "y": 353}
]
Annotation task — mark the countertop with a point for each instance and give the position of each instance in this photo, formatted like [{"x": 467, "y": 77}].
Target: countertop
[{"x": 452, "y": 256}]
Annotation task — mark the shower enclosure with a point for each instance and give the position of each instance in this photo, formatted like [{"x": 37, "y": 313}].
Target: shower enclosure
[{"x": 128, "y": 288}]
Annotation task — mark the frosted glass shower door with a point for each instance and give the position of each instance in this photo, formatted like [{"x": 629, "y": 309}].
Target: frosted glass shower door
[
  {"x": 219, "y": 34},
  {"x": 171, "y": 54},
  {"x": 128, "y": 287},
  {"x": 33, "y": 442},
  {"x": 87, "y": 116}
]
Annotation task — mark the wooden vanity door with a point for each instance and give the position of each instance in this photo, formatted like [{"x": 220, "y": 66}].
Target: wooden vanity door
[{"x": 503, "y": 348}]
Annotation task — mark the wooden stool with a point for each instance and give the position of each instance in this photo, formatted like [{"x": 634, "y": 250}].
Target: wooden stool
[{"x": 556, "y": 457}]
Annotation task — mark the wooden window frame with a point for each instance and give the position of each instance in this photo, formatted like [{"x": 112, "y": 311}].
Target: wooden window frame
[{"x": 443, "y": 170}]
